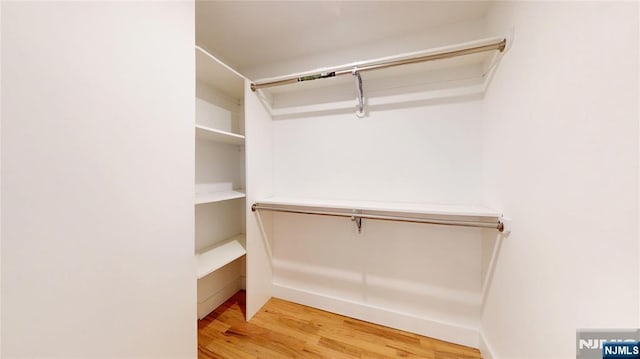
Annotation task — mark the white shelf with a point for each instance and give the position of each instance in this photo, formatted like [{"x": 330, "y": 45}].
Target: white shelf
[
  {"x": 212, "y": 134},
  {"x": 450, "y": 78},
  {"x": 219, "y": 196},
  {"x": 215, "y": 73},
  {"x": 220, "y": 254},
  {"x": 396, "y": 207}
]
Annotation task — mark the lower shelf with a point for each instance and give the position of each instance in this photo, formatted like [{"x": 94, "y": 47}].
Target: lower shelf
[
  {"x": 214, "y": 301},
  {"x": 220, "y": 254}
]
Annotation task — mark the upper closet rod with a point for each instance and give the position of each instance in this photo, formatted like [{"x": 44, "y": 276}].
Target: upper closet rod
[{"x": 500, "y": 46}]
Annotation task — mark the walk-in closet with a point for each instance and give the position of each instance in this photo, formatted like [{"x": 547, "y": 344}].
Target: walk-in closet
[
  {"x": 325, "y": 178},
  {"x": 368, "y": 194}
]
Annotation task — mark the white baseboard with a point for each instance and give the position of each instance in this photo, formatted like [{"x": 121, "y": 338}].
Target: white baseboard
[
  {"x": 485, "y": 348},
  {"x": 403, "y": 321}
]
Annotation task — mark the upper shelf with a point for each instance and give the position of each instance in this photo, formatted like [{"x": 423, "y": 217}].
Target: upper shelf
[
  {"x": 212, "y": 134},
  {"x": 461, "y": 76},
  {"x": 216, "y": 74}
]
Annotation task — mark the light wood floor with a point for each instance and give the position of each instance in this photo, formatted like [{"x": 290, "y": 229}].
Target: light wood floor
[{"x": 283, "y": 329}]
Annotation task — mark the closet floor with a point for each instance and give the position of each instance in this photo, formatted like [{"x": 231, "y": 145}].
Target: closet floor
[{"x": 282, "y": 329}]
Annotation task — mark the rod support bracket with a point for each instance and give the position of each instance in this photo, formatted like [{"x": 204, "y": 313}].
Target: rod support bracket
[
  {"x": 504, "y": 225},
  {"x": 357, "y": 220},
  {"x": 356, "y": 73}
]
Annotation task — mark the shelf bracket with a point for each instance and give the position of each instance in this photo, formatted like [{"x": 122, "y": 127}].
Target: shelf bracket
[
  {"x": 360, "y": 113},
  {"x": 504, "y": 225},
  {"x": 357, "y": 220}
]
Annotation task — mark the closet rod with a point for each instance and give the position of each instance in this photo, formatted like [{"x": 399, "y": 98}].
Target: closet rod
[
  {"x": 339, "y": 71},
  {"x": 494, "y": 225}
]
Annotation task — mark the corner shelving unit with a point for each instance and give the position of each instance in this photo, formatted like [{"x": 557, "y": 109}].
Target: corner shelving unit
[{"x": 219, "y": 197}]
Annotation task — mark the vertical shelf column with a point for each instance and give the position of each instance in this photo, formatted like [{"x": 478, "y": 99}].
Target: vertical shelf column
[
  {"x": 259, "y": 185},
  {"x": 219, "y": 197}
]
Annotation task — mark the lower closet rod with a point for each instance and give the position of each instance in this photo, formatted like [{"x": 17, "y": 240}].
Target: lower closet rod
[{"x": 494, "y": 225}]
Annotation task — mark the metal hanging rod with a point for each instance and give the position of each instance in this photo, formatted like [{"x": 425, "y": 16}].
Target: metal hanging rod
[
  {"x": 499, "y": 45},
  {"x": 357, "y": 217}
]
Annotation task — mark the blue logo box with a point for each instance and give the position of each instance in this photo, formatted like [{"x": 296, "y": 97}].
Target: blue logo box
[{"x": 621, "y": 350}]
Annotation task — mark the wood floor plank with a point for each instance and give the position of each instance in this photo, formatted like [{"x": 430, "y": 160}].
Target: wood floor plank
[{"x": 283, "y": 329}]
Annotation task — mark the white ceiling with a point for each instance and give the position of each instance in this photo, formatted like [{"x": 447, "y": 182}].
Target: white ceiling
[{"x": 249, "y": 33}]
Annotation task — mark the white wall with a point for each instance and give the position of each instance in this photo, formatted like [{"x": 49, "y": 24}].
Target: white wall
[
  {"x": 1, "y": 177},
  {"x": 97, "y": 180},
  {"x": 415, "y": 154},
  {"x": 429, "y": 154},
  {"x": 561, "y": 158}
]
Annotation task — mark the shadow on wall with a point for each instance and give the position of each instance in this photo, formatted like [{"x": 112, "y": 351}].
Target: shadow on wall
[{"x": 422, "y": 270}]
